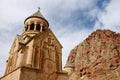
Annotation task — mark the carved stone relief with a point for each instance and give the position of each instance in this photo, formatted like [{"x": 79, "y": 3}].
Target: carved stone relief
[
  {"x": 49, "y": 48},
  {"x": 51, "y": 58}
]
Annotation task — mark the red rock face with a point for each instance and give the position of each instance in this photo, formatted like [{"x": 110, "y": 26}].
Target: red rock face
[{"x": 97, "y": 57}]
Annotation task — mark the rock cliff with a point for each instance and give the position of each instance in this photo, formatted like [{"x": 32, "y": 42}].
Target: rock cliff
[{"x": 96, "y": 58}]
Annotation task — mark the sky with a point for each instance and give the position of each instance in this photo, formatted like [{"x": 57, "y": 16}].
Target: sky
[{"x": 70, "y": 20}]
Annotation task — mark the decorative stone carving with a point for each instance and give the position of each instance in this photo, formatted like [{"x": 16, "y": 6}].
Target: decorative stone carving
[
  {"x": 49, "y": 48},
  {"x": 49, "y": 67}
]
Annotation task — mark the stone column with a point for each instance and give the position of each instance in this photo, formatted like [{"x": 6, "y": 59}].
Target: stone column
[
  {"x": 41, "y": 27},
  {"x": 29, "y": 56},
  {"x": 29, "y": 26},
  {"x": 35, "y": 24},
  {"x": 19, "y": 59}
]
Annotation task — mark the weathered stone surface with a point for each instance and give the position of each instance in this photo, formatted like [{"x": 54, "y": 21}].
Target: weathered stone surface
[
  {"x": 36, "y": 54},
  {"x": 96, "y": 58}
]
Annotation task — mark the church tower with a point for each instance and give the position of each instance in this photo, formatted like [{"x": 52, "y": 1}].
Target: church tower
[{"x": 36, "y": 54}]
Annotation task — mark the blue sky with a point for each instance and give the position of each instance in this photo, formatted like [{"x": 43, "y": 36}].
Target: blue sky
[{"x": 70, "y": 20}]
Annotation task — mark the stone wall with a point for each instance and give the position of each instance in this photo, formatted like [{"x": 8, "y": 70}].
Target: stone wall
[{"x": 14, "y": 75}]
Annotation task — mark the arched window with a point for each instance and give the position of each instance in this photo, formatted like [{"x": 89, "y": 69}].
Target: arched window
[
  {"x": 43, "y": 29},
  {"x": 38, "y": 27},
  {"x": 32, "y": 26},
  {"x": 26, "y": 28}
]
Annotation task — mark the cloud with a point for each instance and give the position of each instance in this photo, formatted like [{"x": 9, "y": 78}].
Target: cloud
[
  {"x": 4, "y": 49},
  {"x": 110, "y": 19}
]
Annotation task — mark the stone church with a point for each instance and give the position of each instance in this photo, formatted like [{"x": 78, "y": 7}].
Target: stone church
[{"x": 36, "y": 54}]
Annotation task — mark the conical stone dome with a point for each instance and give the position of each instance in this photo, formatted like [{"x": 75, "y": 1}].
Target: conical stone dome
[
  {"x": 34, "y": 24},
  {"x": 37, "y": 15}
]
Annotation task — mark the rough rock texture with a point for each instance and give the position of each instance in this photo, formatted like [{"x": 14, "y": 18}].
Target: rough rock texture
[{"x": 96, "y": 58}]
